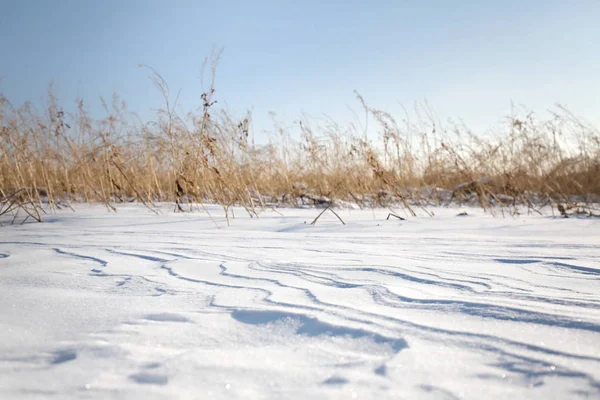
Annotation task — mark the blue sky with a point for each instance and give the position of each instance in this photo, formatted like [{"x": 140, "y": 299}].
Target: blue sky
[{"x": 468, "y": 59}]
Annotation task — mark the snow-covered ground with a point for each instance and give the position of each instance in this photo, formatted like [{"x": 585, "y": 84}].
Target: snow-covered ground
[{"x": 133, "y": 305}]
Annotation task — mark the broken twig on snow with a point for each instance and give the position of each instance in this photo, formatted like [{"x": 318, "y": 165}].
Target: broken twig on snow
[
  {"x": 394, "y": 215},
  {"x": 322, "y": 212}
]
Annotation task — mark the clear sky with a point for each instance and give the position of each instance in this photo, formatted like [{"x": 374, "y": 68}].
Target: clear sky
[{"x": 469, "y": 59}]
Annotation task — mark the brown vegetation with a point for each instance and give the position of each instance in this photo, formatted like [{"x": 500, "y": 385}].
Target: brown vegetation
[{"x": 50, "y": 161}]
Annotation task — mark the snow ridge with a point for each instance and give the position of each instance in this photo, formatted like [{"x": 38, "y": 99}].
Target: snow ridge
[{"x": 132, "y": 305}]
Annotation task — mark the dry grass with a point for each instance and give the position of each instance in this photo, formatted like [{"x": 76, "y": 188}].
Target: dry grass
[{"x": 49, "y": 161}]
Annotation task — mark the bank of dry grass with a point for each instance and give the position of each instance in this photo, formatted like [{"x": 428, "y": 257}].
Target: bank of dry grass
[{"x": 53, "y": 159}]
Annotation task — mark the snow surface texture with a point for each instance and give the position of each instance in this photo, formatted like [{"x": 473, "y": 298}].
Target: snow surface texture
[{"x": 132, "y": 305}]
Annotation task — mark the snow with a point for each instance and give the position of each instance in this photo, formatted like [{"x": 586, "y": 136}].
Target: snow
[{"x": 132, "y": 305}]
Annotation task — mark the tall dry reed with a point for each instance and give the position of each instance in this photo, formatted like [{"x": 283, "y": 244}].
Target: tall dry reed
[{"x": 50, "y": 160}]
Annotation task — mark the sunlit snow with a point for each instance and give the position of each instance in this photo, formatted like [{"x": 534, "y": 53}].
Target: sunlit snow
[{"x": 132, "y": 305}]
